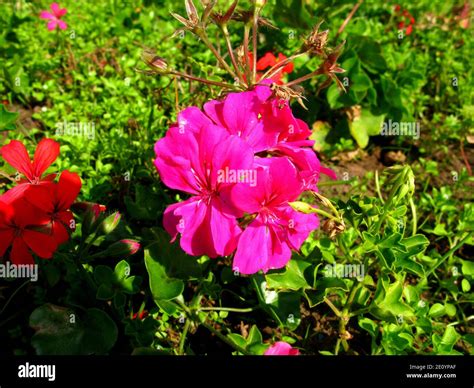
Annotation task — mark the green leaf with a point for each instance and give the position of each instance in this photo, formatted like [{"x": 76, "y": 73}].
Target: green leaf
[
  {"x": 119, "y": 300},
  {"x": 437, "y": 310},
  {"x": 447, "y": 342},
  {"x": 176, "y": 262},
  {"x": 122, "y": 270},
  {"x": 369, "y": 325},
  {"x": 105, "y": 292},
  {"x": 162, "y": 286},
  {"x": 465, "y": 285},
  {"x": 468, "y": 267},
  {"x": 131, "y": 285},
  {"x": 254, "y": 337},
  {"x": 60, "y": 331},
  {"x": 104, "y": 275},
  {"x": 238, "y": 340},
  {"x": 388, "y": 303},
  {"x": 292, "y": 277},
  {"x": 7, "y": 119},
  {"x": 365, "y": 125},
  {"x": 324, "y": 287}
]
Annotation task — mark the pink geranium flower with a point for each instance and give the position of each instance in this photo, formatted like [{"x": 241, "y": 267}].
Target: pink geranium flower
[
  {"x": 268, "y": 124},
  {"x": 55, "y": 17},
  {"x": 190, "y": 158},
  {"x": 276, "y": 228},
  {"x": 281, "y": 349},
  {"x": 240, "y": 114}
]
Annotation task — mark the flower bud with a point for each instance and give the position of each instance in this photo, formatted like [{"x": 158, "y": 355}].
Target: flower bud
[
  {"x": 122, "y": 248},
  {"x": 110, "y": 223},
  {"x": 154, "y": 62}
]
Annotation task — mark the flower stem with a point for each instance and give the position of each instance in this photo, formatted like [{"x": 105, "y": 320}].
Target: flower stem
[
  {"x": 229, "y": 309},
  {"x": 263, "y": 304},
  {"x": 254, "y": 43},
  {"x": 231, "y": 53},
  {"x": 248, "y": 72},
  {"x": 275, "y": 69},
  {"x": 184, "y": 334},
  {"x": 449, "y": 253},
  {"x": 221, "y": 60},
  {"x": 204, "y": 81}
]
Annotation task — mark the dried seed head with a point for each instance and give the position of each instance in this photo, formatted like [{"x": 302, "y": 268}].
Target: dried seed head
[
  {"x": 316, "y": 41},
  {"x": 332, "y": 227},
  {"x": 247, "y": 17},
  {"x": 283, "y": 92},
  {"x": 222, "y": 18}
]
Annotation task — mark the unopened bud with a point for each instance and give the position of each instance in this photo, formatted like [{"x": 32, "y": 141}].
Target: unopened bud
[
  {"x": 154, "y": 62},
  {"x": 122, "y": 248},
  {"x": 111, "y": 222}
]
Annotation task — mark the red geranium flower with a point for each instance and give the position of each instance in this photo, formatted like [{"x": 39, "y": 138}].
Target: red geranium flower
[
  {"x": 20, "y": 227},
  {"x": 56, "y": 205},
  {"x": 269, "y": 60},
  {"x": 16, "y": 155}
]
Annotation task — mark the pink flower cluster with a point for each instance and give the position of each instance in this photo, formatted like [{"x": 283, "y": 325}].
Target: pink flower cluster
[{"x": 242, "y": 160}]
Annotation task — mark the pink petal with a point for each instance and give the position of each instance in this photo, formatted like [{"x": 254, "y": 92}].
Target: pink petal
[
  {"x": 252, "y": 250},
  {"x": 46, "y": 15},
  {"x": 62, "y": 24},
  {"x": 281, "y": 349},
  {"x": 52, "y": 25}
]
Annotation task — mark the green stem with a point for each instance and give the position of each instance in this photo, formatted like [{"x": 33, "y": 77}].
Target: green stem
[
  {"x": 377, "y": 186},
  {"x": 204, "y": 81},
  {"x": 263, "y": 304},
  {"x": 231, "y": 52},
  {"x": 335, "y": 183},
  {"x": 254, "y": 43},
  {"x": 414, "y": 217},
  {"x": 332, "y": 307},
  {"x": 449, "y": 253},
  {"x": 182, "y": 340},
  {"x": 13, "y": 295},
  {"x": 226, "y": 340},
  {"x": 229, "y": 309},
  {"x": 222, "y": 337},
  {"x": 248, "y": 72},
  {"x": 221, "y": 60}
]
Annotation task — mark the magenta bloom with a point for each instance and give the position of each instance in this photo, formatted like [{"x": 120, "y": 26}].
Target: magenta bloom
[
  {"x": 55, "y": 17},
  {"x": 276, "y": 228},
  {"x": 281, "y": 349},
  {"x": 240, "y": 114},
  {"x": 268, "y": 124},
  {"x": 191, "y": 158}
]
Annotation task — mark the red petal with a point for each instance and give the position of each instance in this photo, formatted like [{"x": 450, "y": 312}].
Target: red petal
[
  {"x": 28, "y": 215},
  {"x": 7, "y": 212},
  {"x": 266, "y": 61},
  {"x": 20, "y": 253},
  {"x": 409, "y": 29},
  {"x": 16, "y": 155},
  {"x": 45, "y": 154},
  {"x": 41, "y": 196},
  {"x": 6, "y": 237},
  {"x": 67, "y": 189},
  {"x": 60, "y": 233},
  {"x": 41, "y": 244}
]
